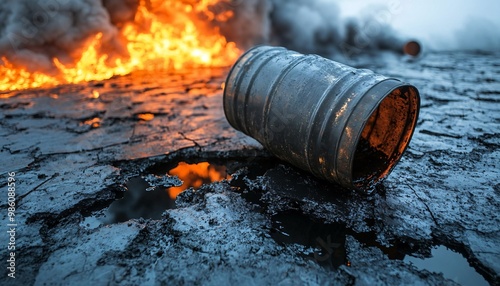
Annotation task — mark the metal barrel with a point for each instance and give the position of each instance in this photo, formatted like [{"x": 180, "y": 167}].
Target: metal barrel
[{"x": 346, "y": 125}]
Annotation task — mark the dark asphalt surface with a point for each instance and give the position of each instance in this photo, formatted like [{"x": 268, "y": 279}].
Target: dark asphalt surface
[{"x": 73, "y": 154}]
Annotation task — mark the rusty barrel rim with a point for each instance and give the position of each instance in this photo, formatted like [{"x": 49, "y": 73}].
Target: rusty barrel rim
[{"x": 398, "y": 142}]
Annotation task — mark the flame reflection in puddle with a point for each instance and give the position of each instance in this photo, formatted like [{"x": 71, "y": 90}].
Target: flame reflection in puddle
[
  {"x": 195, "y": 175},
  {"x": 143, "y": 201},
  {"x": 146, "y": 116}
]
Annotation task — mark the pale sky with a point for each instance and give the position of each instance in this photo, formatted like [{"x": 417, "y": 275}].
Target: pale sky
[{"x": 439, "y": 24}]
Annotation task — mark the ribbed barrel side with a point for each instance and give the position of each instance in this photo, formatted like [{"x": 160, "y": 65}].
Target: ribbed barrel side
[{"x": 315, "y": 113}]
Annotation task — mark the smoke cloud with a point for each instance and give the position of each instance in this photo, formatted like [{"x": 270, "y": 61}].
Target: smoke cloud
[
  {"x": 314, "y": 26},
  {"x": 33, "y": 32},
  {"x": 250, "y": 24},
  {"x": 308, "y": 26}
]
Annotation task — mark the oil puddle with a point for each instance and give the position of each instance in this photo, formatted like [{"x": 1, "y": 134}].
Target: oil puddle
[
  {"x": 139, "y": 201},
  {"x": 452, "y": 264},
  {"x": 324, "y": 243},
  {"x": 149, "y": 196}
]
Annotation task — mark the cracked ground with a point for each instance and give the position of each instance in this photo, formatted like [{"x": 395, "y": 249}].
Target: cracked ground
[{"x": 76, "y": 149}]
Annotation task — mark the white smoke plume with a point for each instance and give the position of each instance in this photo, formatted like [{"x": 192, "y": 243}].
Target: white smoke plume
[
  {"x": 311, "y": 26},
  {"x": 316, "y": 26},
  {"x": 33, "y": 32}
]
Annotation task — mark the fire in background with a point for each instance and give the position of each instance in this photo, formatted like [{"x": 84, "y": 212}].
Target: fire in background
[
  {"x": 46, "y": 43},
  {"x": 68, "y": 41}
]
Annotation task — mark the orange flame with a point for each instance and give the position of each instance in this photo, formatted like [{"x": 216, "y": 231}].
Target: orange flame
[{"x": 165, "y": 34}]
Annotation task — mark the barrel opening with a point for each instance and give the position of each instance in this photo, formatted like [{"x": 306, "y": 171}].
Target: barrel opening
[{"x": 385, "y": 136}]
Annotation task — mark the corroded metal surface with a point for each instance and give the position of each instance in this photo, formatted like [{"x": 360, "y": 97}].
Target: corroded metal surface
[
  {"x": 316, "y": 114},
  {"x": 73, "y": 150}
]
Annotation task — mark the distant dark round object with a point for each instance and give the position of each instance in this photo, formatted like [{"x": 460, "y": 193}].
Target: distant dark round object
[{"x": 412, "y": 48}]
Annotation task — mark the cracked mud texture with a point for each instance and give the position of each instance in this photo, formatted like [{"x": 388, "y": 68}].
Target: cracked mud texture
[{"x": 73, "y": 152}]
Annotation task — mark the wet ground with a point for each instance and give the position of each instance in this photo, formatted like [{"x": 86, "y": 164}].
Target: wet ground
[{"x": 140, "y": 180}]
